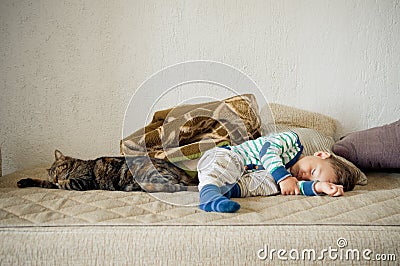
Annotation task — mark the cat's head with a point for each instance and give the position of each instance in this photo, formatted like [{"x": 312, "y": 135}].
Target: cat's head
[{"x": 61, "y": 167}]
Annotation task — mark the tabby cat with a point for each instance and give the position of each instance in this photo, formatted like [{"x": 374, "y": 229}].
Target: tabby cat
[{"x": 113, "y": 173}]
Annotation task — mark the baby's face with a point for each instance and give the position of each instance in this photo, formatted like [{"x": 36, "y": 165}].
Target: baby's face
[{"x": 313, "y": 168}]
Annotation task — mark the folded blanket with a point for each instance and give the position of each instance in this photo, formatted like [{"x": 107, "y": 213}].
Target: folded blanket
[{"x": 186, "y": 131}]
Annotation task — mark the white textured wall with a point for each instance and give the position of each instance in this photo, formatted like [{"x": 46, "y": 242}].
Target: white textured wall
[{"x": 68, "y": 68}]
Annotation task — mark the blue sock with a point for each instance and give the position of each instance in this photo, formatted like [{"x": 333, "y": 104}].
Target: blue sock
[
  {"x": 233, "y": 191},
  {"x": 211, "y": 199}
]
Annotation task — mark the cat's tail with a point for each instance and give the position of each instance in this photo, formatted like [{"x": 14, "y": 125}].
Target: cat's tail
[
  {"x": 166, "y": 187},
  {"x": 192, "y": 188}
]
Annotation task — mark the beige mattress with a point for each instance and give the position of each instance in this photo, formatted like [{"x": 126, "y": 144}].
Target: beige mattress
[{"x": 39, "y": 226}]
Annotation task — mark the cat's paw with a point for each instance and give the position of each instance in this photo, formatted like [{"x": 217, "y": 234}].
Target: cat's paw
[{"x": 27, "y": 182}]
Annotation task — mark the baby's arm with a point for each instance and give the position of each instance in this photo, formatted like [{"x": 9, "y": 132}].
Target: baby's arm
[
  {"x": 330, "y": 189},
  {"x": 315, "y": 188},
  {"x": 308, "y": 188}
]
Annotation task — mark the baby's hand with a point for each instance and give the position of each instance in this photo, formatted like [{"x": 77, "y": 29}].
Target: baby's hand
[
  {"x": 330, "y": 189},
  {"x": 289, "y": 186}
]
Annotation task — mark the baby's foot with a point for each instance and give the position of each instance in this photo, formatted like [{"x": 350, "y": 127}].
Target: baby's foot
[
  {"x": 211, "y": 199},
  {"x": 233, "y": 191}
]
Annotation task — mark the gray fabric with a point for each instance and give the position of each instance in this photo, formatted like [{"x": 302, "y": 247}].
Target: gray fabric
[{"x": 374, "y": 148}]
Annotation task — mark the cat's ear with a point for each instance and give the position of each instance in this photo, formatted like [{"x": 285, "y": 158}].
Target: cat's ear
[{"x": 58, "y": 155}]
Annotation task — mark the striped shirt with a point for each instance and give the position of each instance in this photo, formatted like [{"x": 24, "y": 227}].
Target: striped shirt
[{"x": 275, "y": 153}]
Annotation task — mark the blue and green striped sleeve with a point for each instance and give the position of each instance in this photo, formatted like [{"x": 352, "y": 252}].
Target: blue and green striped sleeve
[
  {"x": 307, "y": 188},
  {"x": 277, "y": 151}
]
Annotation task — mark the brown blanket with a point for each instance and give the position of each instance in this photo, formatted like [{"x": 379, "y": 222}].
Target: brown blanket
[{"x": 185, "y": 132}]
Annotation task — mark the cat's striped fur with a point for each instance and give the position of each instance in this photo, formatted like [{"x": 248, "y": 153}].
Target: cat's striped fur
[{"x": 133, "y": 173}]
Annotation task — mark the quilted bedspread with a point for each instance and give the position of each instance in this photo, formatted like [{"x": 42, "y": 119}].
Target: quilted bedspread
[
  {"x": 57, "y": 227},
  {"x": 375, "y": 204}
]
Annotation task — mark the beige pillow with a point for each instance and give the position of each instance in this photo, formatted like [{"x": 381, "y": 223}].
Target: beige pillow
[{"x": 298, "y": 118}]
